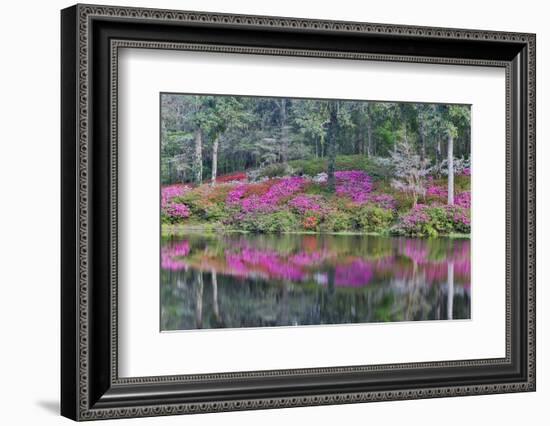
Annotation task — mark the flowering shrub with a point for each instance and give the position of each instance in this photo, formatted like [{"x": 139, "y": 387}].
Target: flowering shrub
[
  {"x": 354, "y": 184},
  {"x": 371, "y": 218},
  {"x": 310, "y": 223},
  {"x": 463, "y": 199},
  {"x": 303, "y": 203},
  {"x": 273, "y": 222},
  {"x": 234, "y": 196},
  {"x": 168, "y": 193},
  {"x": 294, "y": 203},
  {"x": 414, "y": 223},
  {"x": 176, "y": 210},
  {"x": 232, "y": 177},
  {"x": 173, "y": 210},
  {"x": 339, "y": 221},
  {"x": 436, "y": 191},
  {"x": 384, "y": 201},
  {"x": 425, "y": 221},
  {"x": 281, "y": 189},
  {"x": 459, "y": 217}
]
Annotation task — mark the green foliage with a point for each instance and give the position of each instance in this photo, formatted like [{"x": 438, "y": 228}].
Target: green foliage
[
  {"x": 208, "y": 208},
  {"x": 370, "y": 218},
  {"x": 431, "y": 221},
  {"x": 275, "y": 170},
  {"x": 277, "y": 222},
  {"x": 339, "y": 221},
  {"x": 462, "y": 183},
  {"x": 440, "y": 222},
  {"x": 314, "y": 166}
]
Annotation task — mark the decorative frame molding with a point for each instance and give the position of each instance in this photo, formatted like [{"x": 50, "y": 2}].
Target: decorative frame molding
[{"x": 91, "y": 37}]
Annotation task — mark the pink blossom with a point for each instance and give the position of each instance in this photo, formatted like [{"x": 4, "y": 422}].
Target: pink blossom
[
  {"x": 235, "y": 195},
  {"x": 463, "y": 199},
  {"x": 276, "y": 193},
  {"x": 304, "y": 203},
  {"x": 177, "y": 210},
  {"x": 168, "y": 193},
  {"x": 354, "y": 184}
]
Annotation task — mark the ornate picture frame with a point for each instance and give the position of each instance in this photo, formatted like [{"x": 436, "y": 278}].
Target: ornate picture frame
[{"x": 91, "y": 37}]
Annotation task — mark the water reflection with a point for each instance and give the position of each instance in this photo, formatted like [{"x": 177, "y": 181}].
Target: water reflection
[{"x": 236, "y": 280}]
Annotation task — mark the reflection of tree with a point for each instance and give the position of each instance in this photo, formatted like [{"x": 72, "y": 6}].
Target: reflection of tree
[
  {"x": 198, "y": 303},
  {"x": 450, "y": 289},
  {"x": 311, "y": 280},
  {"x": 215, "y": 304}
]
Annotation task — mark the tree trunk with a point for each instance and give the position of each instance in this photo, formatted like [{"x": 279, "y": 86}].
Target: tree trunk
[
  {"x": 422, "y": 140},
  {"x": 369, "y": 131},
  {"x": 450, "y": 169},
  {"x": 215, "y": 160},
  {"x": 284, "y": 131},
  {"x": 331, "y": 145},
  {"x": 197, "y": 163},
  {"x": 316, "y": 147}
]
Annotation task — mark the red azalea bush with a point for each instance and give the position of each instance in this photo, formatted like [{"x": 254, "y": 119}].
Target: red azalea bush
[{"x": 232, "y": 177}]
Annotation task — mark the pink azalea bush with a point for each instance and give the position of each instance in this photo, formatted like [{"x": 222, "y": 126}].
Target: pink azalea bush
[
  {"x": 463, "y": 199},
  {"x": 306, "y": 203},
  {"x": 384, "y": 201},
  {"x": 426, "y": 221},
  {"x": 234, "y": 196},
  {"x": 174, "y": 211},
  {"x": 298, "y": 203},
  {"x": 354, "y": 184},
  {"x": 168, "y": 193},
  {"x": 269, "y": 200},
  {"x": 436, "y": 191},
  {"x": 177, "y": 211}
]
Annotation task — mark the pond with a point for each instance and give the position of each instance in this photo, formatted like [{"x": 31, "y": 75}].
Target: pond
[{"x": 235, "y": 280}]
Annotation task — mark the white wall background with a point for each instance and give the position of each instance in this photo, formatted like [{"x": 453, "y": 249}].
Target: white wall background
[{"x": 29, "y": 211}]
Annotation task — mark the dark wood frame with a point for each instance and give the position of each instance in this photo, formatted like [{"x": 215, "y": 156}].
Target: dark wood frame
[{"x": 91, "y": 37}]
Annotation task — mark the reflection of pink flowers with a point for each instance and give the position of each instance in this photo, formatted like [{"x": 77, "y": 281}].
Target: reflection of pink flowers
[
  {"x": 171, "y": 254},
  {"x": 264, "y": 262},
  {"x": 406, "y": 261},
  {"x": 418, "y": 253},
  {"x": 304, "y": 258},
  {"x": 356, "y": 274}
]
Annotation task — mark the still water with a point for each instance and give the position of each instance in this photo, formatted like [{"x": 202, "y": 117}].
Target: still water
[{"x": 243, "y": 280}]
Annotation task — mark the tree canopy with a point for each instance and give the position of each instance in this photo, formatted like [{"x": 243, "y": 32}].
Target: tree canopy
[{"x": 206, "y": 136}]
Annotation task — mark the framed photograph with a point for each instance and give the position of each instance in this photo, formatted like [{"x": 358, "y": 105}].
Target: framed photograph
[{"x": 263, "y": 212}]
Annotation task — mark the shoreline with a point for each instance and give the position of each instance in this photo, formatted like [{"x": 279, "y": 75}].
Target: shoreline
[{"x": 175, "y": 230}]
